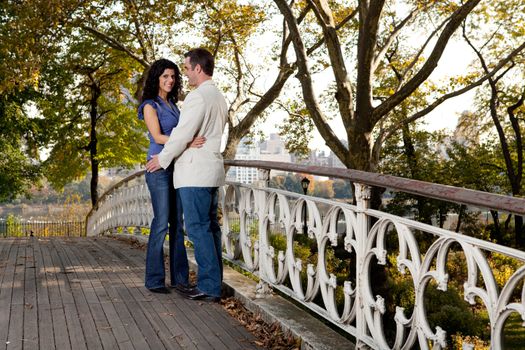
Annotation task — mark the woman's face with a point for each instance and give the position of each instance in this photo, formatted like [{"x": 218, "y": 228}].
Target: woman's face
[{"x": 167, "y": 80}]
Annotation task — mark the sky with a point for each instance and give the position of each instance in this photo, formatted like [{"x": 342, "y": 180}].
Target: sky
[{"x": 454, "y": 61}]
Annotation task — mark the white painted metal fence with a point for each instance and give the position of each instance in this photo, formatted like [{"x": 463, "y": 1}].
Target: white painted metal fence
[{"x": 263, "y": 230}]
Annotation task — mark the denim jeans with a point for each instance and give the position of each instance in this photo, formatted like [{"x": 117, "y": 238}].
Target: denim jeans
[
  {"x": 202, "y": 226},
  {"x": 167, "y": 218}
]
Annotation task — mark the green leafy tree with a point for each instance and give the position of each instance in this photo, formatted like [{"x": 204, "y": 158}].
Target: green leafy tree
[
  {"x": 501, "y": 103},
  {"x": 145, "y": 32},
  {"x": 27, "y": 43},
  {"x": 362, "y": 57},
  {"x": 418, "y": 155},
  {"x": 18, "y": 157},
  {"x": 96, "y": 125},
  {"x": 324, "y": 189},
  {"x": 342, "y": 189}
]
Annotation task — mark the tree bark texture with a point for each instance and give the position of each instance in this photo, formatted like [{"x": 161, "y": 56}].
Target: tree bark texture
[{"x": 93, "y": 113}]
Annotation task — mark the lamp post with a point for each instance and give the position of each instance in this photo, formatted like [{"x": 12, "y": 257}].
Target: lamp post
[{"x": 304, "y": 184}]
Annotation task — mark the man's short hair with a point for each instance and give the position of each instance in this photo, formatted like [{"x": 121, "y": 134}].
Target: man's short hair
[{"x": 203, "y": 58}]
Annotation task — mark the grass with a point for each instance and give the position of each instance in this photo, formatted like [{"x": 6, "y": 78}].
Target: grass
[{"x": 514, "y": 333}]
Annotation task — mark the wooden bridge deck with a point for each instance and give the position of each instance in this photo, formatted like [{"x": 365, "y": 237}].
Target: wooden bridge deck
[{"x": 88, "y": 293}]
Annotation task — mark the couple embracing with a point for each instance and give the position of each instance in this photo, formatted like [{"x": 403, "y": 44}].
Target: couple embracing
[{"x": 184, "y": 171}]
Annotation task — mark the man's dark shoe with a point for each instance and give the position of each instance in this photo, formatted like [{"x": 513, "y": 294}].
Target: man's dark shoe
[
  {"x": 160, "y": 290},
  {"x": 182, "y": 289},
  {"x": 196, "y": 294}
]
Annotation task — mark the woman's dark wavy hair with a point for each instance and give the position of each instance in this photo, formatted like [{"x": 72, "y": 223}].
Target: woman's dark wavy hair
[{"x": 151, "y": 85}]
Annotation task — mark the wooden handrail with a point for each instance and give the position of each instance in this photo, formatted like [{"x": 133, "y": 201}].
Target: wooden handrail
[{"x": 421, "y": 188}]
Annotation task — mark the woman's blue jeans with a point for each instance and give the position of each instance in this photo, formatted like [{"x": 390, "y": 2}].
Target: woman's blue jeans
[{"x": 167, "y": 218}]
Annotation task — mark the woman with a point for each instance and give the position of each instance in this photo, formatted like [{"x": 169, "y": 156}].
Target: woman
[{"x": 159, "y": 110}]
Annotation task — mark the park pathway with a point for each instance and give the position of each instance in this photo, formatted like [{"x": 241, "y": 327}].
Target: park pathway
[{"x": 88, "y": 293}]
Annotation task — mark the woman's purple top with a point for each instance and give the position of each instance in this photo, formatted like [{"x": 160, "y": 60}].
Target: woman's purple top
[{"x": 168, "y": 115}]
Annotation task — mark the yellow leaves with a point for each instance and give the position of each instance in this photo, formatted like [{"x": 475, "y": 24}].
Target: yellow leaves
[
  {"x": 341, "y": 12},
  {"x": 447, "y": 7},
  {"x": 459, "y": 81},
  {"x": 459, "y": 340},
  {"x": 236, "y": 22},
  {"x": 504, "y": 267}
]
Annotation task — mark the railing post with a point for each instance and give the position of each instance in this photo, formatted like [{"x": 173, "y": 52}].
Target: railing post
[
  {"x": 362, "y": 194},
  {"x": 264, "y": 178},
  {"x": 263, "y": 288}
]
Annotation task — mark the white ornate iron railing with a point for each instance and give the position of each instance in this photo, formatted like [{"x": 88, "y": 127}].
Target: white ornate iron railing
[{"x": 337, "y": 271}]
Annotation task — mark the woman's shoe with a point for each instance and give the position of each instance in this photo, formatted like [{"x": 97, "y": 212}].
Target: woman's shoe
[{"x": 160, "y": 290}]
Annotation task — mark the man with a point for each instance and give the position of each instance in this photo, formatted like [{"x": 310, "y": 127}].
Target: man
[{"x": 199, "y": 171}]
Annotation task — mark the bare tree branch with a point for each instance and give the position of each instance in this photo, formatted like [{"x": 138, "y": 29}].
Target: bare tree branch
[
  {"x": 422, "y": 48},
  {"x": 306, "y": 83},
  {"x": 344, "y": 95},
  {"x": 142, "y": 39},
  {"x": 517, "y": 131},
  {"x": 493, "y": 103},
  {"x": 116, "y": 45},
  {"x": 395, "y": 33},
  {"x": 450, "y": 95},
  {"x": 234, "y": 106},
  {"x": 341, "y": 24},
  {"x": 455, "y": 21}
]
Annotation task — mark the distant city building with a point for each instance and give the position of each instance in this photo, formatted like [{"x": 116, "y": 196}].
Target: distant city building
[
  {"x": 274, "y": 145},
  {"x": 273, "y": 149},
  {"x": 245, "y": 151}
]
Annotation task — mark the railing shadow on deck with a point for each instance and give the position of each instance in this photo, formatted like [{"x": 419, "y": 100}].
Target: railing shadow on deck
[{"x": 377, "y": 276}]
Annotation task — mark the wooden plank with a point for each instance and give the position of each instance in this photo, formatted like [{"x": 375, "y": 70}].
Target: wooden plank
[
  {"x": 79, "y": 286},
  {"x": 154, "y": 331},
  {"x": 61, "y": 272},
  {"x": 110, "y": 327},
  {"x": 231, "y": 333},
  {"x": 233, "y": 327},
  {"x": 137, "y": 339},
  {"x": 30, "y": 299},
  {"x": 6, "y": 286},
  {"x": 75, "y": 328},
  {"x": 183, "y": 310},
  {"x": 16, "y": 319},
  {"x": 193, "y": 311},
  {"x": 224, "y": 330},
  {"x": 46, "y": 339},
  {"x": 5, "y": 246},
  {"x": 137, "y": 332},
  {"x": 192, "y": 315},
  {"x": 201, "y": 335},
  {"x": 16, "y": 326},
  {"x": 152, "y": 304},
  {"x": 66, "y": 285},
  {"x": 182, "y": 330},
  {"x": 40, "y": 274},
  {"x": 82, "y": 293},
  {"x": 60, "y": 329}
]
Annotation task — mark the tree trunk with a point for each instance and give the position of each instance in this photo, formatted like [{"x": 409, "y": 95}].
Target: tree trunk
[
  {"x": 497, "y": 228},
  {"x": 519, "y": 231},
  {"x": 460, "y": 217},
  {"x": 231, "y": 147},
  {"x": 93, "y": 142},
  {"x": 359, "y": 157},
  {"x": 410, "y": 153}
]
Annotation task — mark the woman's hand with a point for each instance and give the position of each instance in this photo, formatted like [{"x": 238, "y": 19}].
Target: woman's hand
[{"x": 197, "y": 142}]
